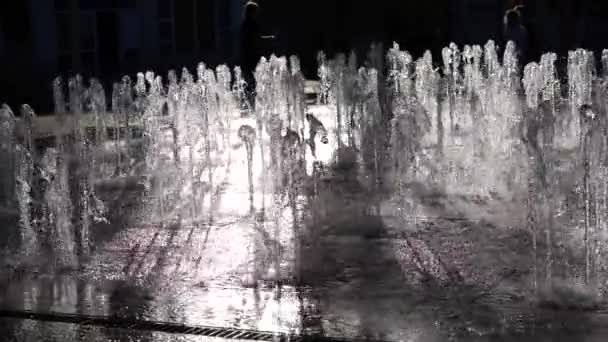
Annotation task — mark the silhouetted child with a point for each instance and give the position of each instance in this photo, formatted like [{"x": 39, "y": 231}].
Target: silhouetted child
[{"x": 315, "y": 127}]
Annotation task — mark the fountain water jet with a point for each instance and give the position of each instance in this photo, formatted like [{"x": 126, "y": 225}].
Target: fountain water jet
[{"x": 456, "y": 129}]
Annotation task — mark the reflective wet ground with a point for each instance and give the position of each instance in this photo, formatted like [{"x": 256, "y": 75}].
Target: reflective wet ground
[{"x": 363, "y": 274}]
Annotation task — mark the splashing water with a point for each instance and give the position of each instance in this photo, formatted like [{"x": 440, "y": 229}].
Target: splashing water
[{"x": 479, "y": 125}]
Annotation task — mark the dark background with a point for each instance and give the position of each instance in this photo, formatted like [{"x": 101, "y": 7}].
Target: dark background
[{"x": 40, "y": 39}]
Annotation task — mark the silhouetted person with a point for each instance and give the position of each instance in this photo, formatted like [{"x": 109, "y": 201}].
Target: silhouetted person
[
  {"x": 515, "y": 31},
  {"x": 250, "y": 42},
  {"x": 526, "y": 21}
]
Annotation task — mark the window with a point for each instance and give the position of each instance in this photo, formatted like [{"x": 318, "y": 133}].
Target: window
[
  {"x": 87, "y": 31},
  {"x": 61, "y": 5},
  {"x": 166, "y": 31},
  {"x": 15, "y": 19},
  {"x": 224, "y": 12},
  {"x": 87, "y": 41},
  {"x": 187, "y": 26},
  {"x": 166, "y": 49},
  {"x": 184, "y": 25},
  {"x": 65, "y": 62},
  {"x": 88, "y": 62},
  {"x": 206, "y": 23},
  {"x": 106, "y": 4},
  {"x": 108, "y": 41},
  {"x": 598, "y": 8},
  {"x": 165, "y": 13},
  {"x": 64, "y": 31},
  {"x": 164, "y": 9},
  {"x": 90, "y": 4},
  {"x": 553, "y": 5}
]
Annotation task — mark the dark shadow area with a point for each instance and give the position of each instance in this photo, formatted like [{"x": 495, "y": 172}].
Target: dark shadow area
[
  {"x": 354, "y": 261},
  {"x": 8, "y": 221},
  {"x": 110, "y": 39}
]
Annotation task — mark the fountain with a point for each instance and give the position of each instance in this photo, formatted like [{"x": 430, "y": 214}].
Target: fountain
[{"x": 477, "y": 128}]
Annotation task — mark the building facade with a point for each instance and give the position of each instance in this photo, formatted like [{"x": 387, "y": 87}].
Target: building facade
[
  {"x": 95, "y": 36},
  {"x": 40, "y": 39}
]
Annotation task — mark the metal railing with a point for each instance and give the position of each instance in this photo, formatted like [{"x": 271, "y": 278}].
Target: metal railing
[
  {"x": 48, "y": 126},
  {"x": 171, "y": 328}
]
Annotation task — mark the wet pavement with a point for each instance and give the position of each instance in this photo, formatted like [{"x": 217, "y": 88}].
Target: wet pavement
[{"x": 360, "y": 277}]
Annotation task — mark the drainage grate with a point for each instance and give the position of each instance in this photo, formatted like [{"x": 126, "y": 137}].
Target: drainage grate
[{"x": 134, "y": 324}]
